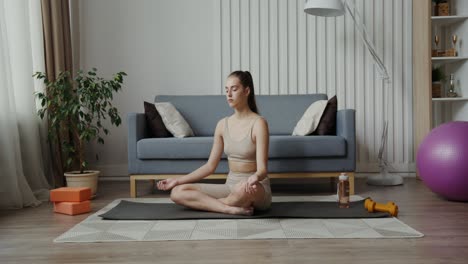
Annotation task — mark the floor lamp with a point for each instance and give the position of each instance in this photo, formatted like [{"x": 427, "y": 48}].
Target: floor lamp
[{"x": 333, "y": 8}]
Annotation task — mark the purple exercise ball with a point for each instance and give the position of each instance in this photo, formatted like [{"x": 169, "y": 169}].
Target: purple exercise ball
[{"x": 442, "y": 160}]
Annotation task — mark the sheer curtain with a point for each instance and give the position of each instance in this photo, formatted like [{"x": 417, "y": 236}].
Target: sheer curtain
[{"x": 22, "y": 134}]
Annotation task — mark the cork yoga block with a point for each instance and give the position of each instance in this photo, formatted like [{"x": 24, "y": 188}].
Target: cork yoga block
[
  {"x": 72, "y": 208},
  {"x": 70, "y": 194}
]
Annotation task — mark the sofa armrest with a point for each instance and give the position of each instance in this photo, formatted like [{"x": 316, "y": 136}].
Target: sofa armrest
[
  {"x": 346, "y": 128},
  {"x": 136, "y": 131}
]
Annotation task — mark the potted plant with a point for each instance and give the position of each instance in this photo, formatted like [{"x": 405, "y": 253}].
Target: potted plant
[
  {"x": 79, "y": 105},
  {"x": 438, "y": 76}
]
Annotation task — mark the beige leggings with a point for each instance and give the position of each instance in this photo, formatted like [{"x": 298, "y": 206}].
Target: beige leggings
[{"x": 223, "y": 190}]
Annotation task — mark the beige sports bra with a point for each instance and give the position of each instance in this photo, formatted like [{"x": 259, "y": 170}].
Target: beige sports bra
[{"x": 243, "y": 150}]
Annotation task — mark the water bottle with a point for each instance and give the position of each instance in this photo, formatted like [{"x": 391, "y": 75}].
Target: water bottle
[{"x": 343, "y": 191}]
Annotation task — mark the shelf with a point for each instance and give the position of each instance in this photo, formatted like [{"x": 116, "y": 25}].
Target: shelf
[
  {"x": 445, "y": 109},
  {"x": 449, "y": 99},
  {"x": 447, "y": 20},
  {"x": 448, "y": 59}
]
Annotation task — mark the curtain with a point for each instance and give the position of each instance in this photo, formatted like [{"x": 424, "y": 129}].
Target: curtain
[
  {"x": 57, "y": 38},
  {"x": 58, "y": 58},
  {"x": 22, "y": 133}
]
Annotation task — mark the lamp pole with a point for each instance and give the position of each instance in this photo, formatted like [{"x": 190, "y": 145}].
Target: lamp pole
[{"x": 332, "y": 8}]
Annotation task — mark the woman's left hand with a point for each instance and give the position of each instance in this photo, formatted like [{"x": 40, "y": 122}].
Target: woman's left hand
[{"x": 251, "y": 185}]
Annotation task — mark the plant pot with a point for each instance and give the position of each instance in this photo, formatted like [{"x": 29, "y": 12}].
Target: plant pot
[
  {"x": 87, "y": 179},
  {"x": 436, "y": 89}
]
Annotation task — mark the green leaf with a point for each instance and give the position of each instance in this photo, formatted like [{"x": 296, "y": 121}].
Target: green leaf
[{"x": 76, "y": 106}]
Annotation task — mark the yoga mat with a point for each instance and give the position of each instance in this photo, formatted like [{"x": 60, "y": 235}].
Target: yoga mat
[{"x": 127, "y": 210}]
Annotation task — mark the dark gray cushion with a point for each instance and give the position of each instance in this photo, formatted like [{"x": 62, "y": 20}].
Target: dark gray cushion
[
  {"x": 327, "y": 125},
  {"x": 154, "y": 122},
  {"x": 280, "y": 147}
]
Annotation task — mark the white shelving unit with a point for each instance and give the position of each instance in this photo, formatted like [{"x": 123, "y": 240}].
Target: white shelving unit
[
  {"x": 447, "y": 109},
  {"x": 447, "y": 20},
  {"x": 450, "y": 99},
  {"x": 441, "y": 60}
]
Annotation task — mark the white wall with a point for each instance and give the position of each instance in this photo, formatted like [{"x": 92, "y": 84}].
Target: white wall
[
  {"x": 189, "y": 47},
  {"x": 165, "y": 47}
]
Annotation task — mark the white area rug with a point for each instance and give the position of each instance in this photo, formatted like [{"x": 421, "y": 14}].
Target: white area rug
[{"x": 94, "y": 229}]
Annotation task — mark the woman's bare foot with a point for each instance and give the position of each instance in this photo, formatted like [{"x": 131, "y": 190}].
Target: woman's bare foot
[
  {"x": 238, "y": 197},
  {"x": 236, "y": 201},
  {"x": 234, "y": 210}
]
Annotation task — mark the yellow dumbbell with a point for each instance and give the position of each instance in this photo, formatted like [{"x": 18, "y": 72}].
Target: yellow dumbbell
[{"x": 389, "y": 207}]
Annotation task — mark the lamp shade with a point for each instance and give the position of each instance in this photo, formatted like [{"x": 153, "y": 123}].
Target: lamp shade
[{"x": 327, "y": 8}]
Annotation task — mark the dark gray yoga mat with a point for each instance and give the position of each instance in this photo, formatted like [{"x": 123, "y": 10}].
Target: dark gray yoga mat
[{"x": 127, "y": 210}]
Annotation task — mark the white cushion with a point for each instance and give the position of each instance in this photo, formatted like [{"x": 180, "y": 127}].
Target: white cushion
[
  {"x": 173, "y": 120},
  {"x": 310, "y": 119}
]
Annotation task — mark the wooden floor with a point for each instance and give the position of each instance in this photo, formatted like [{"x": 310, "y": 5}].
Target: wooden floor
[{"x": 26, "y": 235}]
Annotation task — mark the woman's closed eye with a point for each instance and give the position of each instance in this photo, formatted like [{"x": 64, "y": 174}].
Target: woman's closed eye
[{"x": 232, "y": 90}]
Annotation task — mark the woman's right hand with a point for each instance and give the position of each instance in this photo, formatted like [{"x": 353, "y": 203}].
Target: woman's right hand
[{"x": 167, "y": 184}]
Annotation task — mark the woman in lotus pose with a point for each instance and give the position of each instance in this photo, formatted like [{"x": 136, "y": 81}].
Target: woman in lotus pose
[{"x": 244, "y": 138}]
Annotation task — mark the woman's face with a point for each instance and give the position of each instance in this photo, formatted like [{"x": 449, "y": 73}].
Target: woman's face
[{"x": 236, "y": 93}]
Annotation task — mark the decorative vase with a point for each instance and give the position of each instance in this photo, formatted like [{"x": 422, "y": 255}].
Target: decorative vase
[
  {"x": 87, "y": 179},
  {"x": 443, "y": 9},
  {"x": 436, "y": 89}
]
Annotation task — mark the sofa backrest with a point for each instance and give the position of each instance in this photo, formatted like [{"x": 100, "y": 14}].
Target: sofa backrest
[{"x": 202, "y": 112}]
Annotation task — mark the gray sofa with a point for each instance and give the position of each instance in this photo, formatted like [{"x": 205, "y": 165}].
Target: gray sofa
[{"x": 289, "y": 156}]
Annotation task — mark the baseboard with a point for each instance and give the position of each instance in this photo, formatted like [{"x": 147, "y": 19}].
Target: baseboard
[
  {"x": 111, "y": 170},
  {"x": 365, "y": 167},
  {"x": 115, "y": 178},
  {"x": 402, "y": 174}
]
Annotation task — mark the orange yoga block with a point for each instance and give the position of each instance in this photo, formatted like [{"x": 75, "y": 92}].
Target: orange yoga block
[
  {"x": 70, "y": 194},
  {"x": 72, "y": 208}
]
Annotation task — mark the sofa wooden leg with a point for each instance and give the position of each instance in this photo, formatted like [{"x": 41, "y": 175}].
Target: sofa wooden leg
[
  {"x": 132, "y": 186},
  {"x": 351, "y": 183}
]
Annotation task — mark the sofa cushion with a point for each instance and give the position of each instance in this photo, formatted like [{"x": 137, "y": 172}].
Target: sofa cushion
[
  {"x": 173, "y": 120},
  {"x": 175, "y": 148},
  {"x": 310, "y": 119},
  {"x": 203, "y": 112},
  {"x": 154, "y": 122},
  {"x": 327, "y": 125},
  {"x": 306, "y": 146},
  {"x": 280, "y": 147}
]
